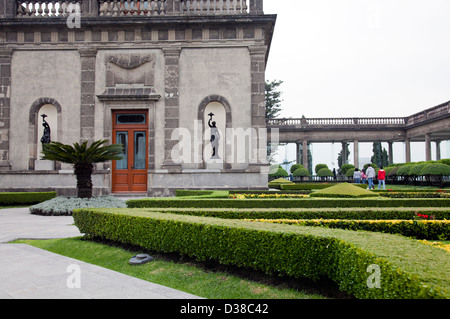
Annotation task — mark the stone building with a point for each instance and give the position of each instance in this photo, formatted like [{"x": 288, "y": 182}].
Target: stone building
[{"x": 147, "y": 74}]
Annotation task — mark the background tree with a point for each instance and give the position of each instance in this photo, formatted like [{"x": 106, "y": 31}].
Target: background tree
[
  {"x": 380, "y": 155},
  {"x": 273, "y": 108},
  {"x": 83, "y": 158}
]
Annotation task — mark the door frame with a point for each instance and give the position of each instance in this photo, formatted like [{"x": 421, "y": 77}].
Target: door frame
[{"x": 130, "y": 128}]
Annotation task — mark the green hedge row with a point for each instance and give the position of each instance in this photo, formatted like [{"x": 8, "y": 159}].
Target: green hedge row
[
  {"x": 344, "y": 213},
  {"x": 25, "y": 198},
  {"x": 420, "y": 229},
  {"x": 407, "y": 268},
  {"x": 313, "y": 186},
  {"x": 415, "y": 194},
  {"x": 285, "y": 203}
]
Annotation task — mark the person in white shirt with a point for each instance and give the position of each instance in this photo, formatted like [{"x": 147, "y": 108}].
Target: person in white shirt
[
  {"x": 357, "y": 176},
  {"x": 370, "y": 172}
]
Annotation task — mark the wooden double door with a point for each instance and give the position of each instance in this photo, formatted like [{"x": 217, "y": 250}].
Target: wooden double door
[{"x": 129, "y": 175}]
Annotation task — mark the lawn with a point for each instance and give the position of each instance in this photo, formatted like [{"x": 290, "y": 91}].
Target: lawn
[{"x": 185, "y": 275}]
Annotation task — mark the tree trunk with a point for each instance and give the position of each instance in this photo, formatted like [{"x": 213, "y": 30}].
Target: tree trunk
[{"x": 83, "y": 171}]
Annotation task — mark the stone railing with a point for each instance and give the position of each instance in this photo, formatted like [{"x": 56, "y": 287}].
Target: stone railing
[
  {"x": 119, "y": 8},
  {"x": 338, "y": 122},
  {"x": 47, "y": 9},
  {"x": 442, "y": 110},
  {"x": 218, "y": 7},
  {"x": 130, "y": 8}
]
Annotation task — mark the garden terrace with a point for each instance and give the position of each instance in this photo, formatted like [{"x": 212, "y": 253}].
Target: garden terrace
[{"x": 410, "y": 269}]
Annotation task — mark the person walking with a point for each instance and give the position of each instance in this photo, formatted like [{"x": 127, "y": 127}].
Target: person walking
[
  {"x": 370, "y": 172},
  {"x": 363, "y": 176},
  {"x": 381, "y": 178},
  {"x": 357, "y": 176}
]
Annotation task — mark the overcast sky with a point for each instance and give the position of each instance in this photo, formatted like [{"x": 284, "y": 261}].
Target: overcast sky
[
  {"x": 341, "y": 58},
  {"x": 360, "y": 58}
]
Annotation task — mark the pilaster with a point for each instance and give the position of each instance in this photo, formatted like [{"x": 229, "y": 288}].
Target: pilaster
[
  {"x": 87, "y": 112},
  {"x": 5, "y": 106}
]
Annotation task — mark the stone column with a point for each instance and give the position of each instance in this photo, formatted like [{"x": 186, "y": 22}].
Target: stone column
[
  {"x": 305, "y": 154},
  {"x": 5, "y": 106},
  {"x": 438, "y": 150},
  {"x": 87, "y": 112},
  {"x": 172, "y": 104},
  {"x": 344, "y": 153},
  {"x": 407, "y": 150},
  {"x": 427, "y": 147},
  {"x": 298, "y": 152},
  {"x": 356, "y": 153}
]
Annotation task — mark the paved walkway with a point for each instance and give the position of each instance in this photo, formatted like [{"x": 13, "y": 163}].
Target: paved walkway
[{"x": 27, "y": 272}]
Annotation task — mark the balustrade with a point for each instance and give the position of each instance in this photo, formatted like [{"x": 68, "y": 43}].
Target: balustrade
[
  {"x": 47, "y": 8},
  {"x": 118, "y": 8},
  {"x": 304, "y": 122},
  {"x": 218, "y": 7}
]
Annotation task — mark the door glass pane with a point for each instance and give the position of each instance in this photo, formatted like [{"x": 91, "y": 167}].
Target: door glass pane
[
  {"x": 139, "y": 150},
  {"x": 131, "y": 118},
  {"x": 122, "y": 138}
]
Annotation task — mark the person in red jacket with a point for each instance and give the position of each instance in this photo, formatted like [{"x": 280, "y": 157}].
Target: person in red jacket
[{"x": 381, "y": 178}]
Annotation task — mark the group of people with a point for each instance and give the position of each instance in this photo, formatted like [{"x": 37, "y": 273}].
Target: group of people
[{"x": 368, "y": 175}]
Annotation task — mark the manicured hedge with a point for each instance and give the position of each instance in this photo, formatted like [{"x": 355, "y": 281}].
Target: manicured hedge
[
  {"x": 314, "y": 186},
  {"x": 25, "y": 198},
  {"x": 420, "y": 229},
  {"x": 408, "y": 268},
  {"x": 344, "y": 213},
  {"x": 285, "y": 203}
]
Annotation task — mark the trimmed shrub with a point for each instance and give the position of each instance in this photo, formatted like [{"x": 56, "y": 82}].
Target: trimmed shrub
[
  {"x": 25, "y": 198},
  {"x": 437, "y": 169},
  {"x": 286, "y": 203},
  {"x": 301, "y": 172},
  {"x": 295, "y": 167},
  {"x": 409, "y": 268},
  {"x": 423, "y": 229},
  {"x": 277, "y": 183},
  {"x": 404, "y": 170},
  {"x": 325, "y": 172},
  {"x": 323, "y": 213},
  {"x": 319, "y": 167},
  {"x": 346, "y": 167},
  {"x": 281, "y": 172},
  {"x": 343, "y": 190},
  {"x": 310, "y": 186},
  {"x": 445, "y": 161}
]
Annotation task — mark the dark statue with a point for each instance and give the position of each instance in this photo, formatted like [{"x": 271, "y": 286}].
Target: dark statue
[
  {"x": 215, "y": 136},
  {"x": 45, "y": 139}
]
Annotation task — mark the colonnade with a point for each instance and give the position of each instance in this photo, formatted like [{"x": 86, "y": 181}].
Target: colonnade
[{"x": 303, "y": 146}]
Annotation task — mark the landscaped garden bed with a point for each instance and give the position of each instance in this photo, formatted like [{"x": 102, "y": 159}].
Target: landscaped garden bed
[{"x": 409, "y": 268}]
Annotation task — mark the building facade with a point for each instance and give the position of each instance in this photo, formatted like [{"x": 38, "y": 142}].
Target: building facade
[{"x": 181, "y": 84}]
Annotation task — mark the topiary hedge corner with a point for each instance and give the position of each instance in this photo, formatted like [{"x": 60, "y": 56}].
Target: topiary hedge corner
[{"x": 406, "y": 268}]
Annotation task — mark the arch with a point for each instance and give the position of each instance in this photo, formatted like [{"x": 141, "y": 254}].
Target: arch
[
  {"x": 228, "y": 124},
  {"x": 215, "y": 98},
  {"x": 33, "y": 122}
]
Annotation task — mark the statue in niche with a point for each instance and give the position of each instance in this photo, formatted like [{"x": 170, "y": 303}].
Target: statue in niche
[
  {"x": 45, "y": 139},
  {"x": 215, "y": 137}
]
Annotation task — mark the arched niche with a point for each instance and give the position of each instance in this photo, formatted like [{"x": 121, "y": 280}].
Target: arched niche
[
  {"x": 221, "y": 109},
  {"x": 52, "y": 109}
]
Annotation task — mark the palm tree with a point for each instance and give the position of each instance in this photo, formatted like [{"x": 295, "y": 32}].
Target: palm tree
[{"x": 82, "y": 157}]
